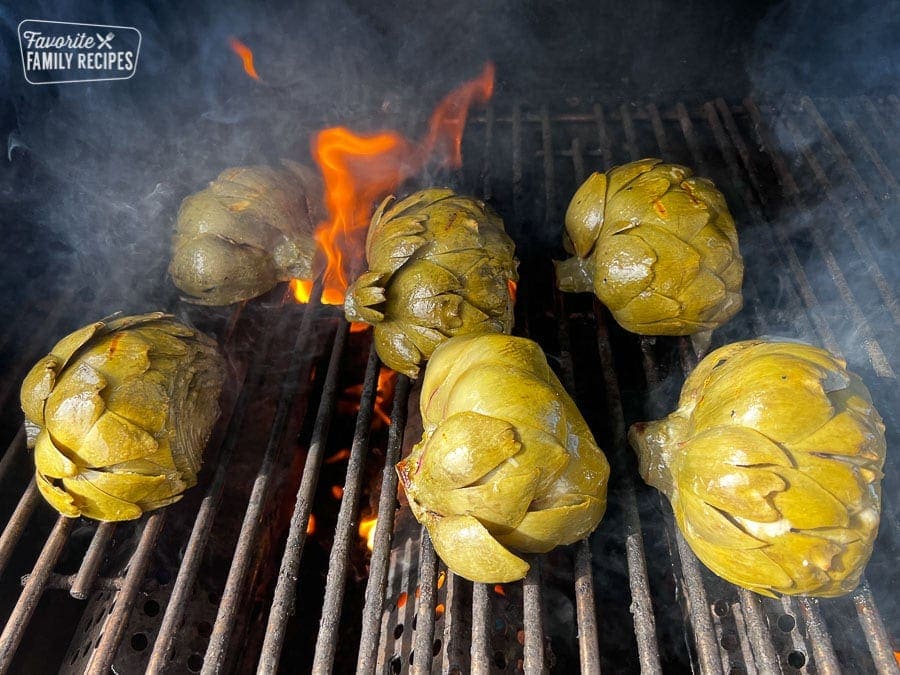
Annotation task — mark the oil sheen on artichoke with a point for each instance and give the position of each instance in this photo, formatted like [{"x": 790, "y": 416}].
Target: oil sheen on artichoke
[
  {"x": 505, "y": 462},
  {"x": 440, "y": 265},
  {"x": 249, "y": 229},
  {"x": 657, "y": 246},
  {"x": 119, "y": 413},
  {"x": 773, "y": 464}
]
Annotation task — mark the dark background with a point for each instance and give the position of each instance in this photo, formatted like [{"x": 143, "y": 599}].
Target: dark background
[{"x": 99, "y": 168}]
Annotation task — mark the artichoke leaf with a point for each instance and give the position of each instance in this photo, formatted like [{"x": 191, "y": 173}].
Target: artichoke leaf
[
  {"x": 97, "y": 504},
  {"x": 465, "y": 447},
  {"x": 472, "y": 552},
  {"x": 49, "y": 460},
  {"x": 542, "y": 530},
  {"x": 59, "y": 499},
  {"x": 584, "y": 217}
]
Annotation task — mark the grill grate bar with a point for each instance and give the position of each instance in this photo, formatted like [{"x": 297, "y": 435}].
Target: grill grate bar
[
  {"x": 876, "y": 355},
  {"x": 326, "y": 642},
  {"x": 533, "y": 618},
  {"x": 641, "y": 606},
  {"x": 285, "y": 588},
  {"x": 425, "y": 604},
  {"x": 17, "y": 522},
  {"x": 203, "y": 521},
  {"x": 246, "y": 545},
  {"x": 384, "y": 527},
  {"x": 457, "y": 623},
  {"x": 861, "y": 247},
  {"x": 874, "y": 630},
  {"x": 114, "y": 628},
  {"x": 481, "y": 608},
  {"x": 90, "y": 564},
  {"x": 860, "y": 139},
  {"x": 822, "y": 649},
  {"x": 755, "y": 621},
  {"x": 778, "y": 239},
  {"x": 837, "y": 151},
  {"x": 17, "y": 623},
  {"x": 877, "y": 119},
  {"x": 693, "y": 588}
]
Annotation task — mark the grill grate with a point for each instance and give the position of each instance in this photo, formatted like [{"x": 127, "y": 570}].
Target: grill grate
[{"x": 150, "y": 596}]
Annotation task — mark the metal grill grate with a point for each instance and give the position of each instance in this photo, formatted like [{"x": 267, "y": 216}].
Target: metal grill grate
[{"x": 813, "y": 186}]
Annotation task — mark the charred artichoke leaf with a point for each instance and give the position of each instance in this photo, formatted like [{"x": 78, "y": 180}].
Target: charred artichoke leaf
[
  {"x": 772, "y": 463},
  {"x": 504, "y": 447}
]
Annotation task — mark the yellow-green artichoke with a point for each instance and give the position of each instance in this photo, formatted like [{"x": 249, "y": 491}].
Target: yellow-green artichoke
[
  {"x": 772, "y": 462},
  {"x": 251, "y": 228},
  {"x": 439, "y": 265},
  {"x": 505, "y": 461},
  {"x": 657, "y": 246},
  {"x": 119, "y": 413}
]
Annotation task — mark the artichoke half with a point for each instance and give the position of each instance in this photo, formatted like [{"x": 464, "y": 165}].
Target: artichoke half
[
  {"x": 772, "y": 463},
  {"x": 657, "y": 246},
  {"x": 505, "y": 462},
  {"x": 119, "y": 414},
  {"x": 251, "y": 228},
  {"x": 439, "y": 265}
]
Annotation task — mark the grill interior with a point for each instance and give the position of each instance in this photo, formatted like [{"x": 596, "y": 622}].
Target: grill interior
[{"x": 234, "y": 578}]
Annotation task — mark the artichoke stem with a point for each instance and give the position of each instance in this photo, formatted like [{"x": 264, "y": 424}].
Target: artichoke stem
[
  {"x": 652, "y": 443},
  {"x": 574, "y": 275}
]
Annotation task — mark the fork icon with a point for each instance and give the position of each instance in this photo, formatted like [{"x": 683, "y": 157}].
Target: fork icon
[{"x": 104, "y": 41}]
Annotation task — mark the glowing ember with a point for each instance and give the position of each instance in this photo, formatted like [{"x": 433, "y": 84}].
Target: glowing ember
[
  {"x": 337, "y": 491},
  {"x": 498, "y": 589},
  {"x": 511, "y": 286},
  {"x": 246, "y": 56},
  {"x": 360, "y": 169},
  {"x": 367, "y": 531},
  {"x": 339, "y": 456},
  {"x": 401, "y": 600},
  {"x": 439, "y": 610},
  {"x": 442, "y": 577},
  {"x": 311, "y": 524}
]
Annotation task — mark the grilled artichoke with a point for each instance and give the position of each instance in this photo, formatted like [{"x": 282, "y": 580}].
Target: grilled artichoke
[
  {"x": 658, "y": 247},
  {"x": 505, "y": 461},
  {"x": 119, "y": 413},
  {"x": 251, "y": 228},
  {"x": 439, "y": 265},
  {"x": 772, "y": 462}
]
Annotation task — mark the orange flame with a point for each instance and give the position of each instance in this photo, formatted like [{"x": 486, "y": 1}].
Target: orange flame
[
  {"x": 302, "y": 289},
  {"x": 367, "y": 531},
  {"x": 384, "y": 394},
  {"x": 246, "y": 56},
  {"x": 439, "y": 610},
  {"x": 442, "y": 577},
  {"x": 360, "y": 169},
  {"x": 401, "y": 600},
  {"x": 511, "y": 286},
  {"x": 311, "y": 524},
  {"x": 337, "y": 491},
  {"x": 498, "y": 589}
]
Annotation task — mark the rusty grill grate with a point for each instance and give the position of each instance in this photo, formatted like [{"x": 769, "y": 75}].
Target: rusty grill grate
[{"x": 221, "y": 582}]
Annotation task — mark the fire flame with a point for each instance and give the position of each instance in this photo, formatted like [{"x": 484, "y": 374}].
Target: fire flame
[
  {"x": 311, "y": 524},
  {"x": 367, "y": 531},
  {"x": 439, "y": 610},
  {"x": 246, "y": 56},
  {"x": 337, "y": 491},
  {"x": 360, "y": 169},
  {"x": 384, "y": 394},
  {"x": 499, "y": 590}
]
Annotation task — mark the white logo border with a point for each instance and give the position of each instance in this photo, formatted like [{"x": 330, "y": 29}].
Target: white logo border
[{"x": 137, "y": 53}]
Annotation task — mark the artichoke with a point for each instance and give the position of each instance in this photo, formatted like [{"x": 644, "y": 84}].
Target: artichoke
[
  {"x": 772, "y": 462},
  {"x": 505, "y": 461},
  {"x": 119, "y": 413},
  {"x": 439, "y": 265},
  {"x": 251, "y": 228},
  {"x": 658, "y": 247}
]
